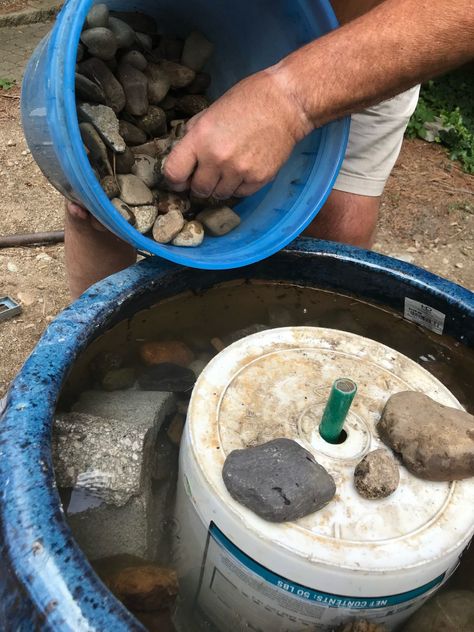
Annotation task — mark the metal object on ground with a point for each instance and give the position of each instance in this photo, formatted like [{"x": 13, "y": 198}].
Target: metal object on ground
[
  {"x": 32, "y": 239},
  {"x": 8, "y": 308},
  {"x": 340, "y": 400}
]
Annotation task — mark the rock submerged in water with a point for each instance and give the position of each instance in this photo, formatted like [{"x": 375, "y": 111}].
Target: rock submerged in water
[
  {"x": 279, "y": 480},
  {"x": 145, "y": 588},
  {"x": 377, "y": 475},
  {"x": 167, "y": 377},
  {"x": 161, "y": 351},
  {"x": 435, "y": 442}
]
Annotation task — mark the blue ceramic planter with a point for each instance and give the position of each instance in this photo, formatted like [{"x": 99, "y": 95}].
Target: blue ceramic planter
[{"x": 45, "y": 581}]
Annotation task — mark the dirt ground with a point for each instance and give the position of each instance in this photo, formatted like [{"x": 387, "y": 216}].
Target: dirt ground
[{"x": 427, "y": 218}]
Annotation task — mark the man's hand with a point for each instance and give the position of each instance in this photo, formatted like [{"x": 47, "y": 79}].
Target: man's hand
[{"x": 240, "y": 142}]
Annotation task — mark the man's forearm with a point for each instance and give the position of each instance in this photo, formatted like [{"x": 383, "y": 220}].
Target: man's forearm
[{"x": 389, "y": 49}]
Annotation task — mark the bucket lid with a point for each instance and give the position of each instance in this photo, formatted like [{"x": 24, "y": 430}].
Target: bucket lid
[{"x": 275, "y": 384}]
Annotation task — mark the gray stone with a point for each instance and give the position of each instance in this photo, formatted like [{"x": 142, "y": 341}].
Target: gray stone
[
  {"x": 448, "y": 611},
  {"x": 131, "y": 134},
  {"x": 158, "y": 83},
  {"x": 110, "y": 186},
  {"x": 124, "y": 34},
  {"x": 135, "y": 86},
  {"x": 97, "y": 71},
  {"x": 133, "y": 191},
  {"x": 167, "y": 227},
  {"x": 144, "y": 41},
  {"x": 178, "y": 75},
  {"x": 124, "y": 210},
  {"x": 197, "y": 51},
  {"x": 97, "y": 16},
  {"x": 135, "y": 59},
  {"x": 100, "y": 42},
  {"x": 144, "y": 168},
  {"x": 219, "y": 221},
  {"x": 105, "y": 361},
  {"x": 191, "y": 236},
  {"x": 118, "y": 379},
  {"x": 434, "y": 441},
  {"x": 97, "y": 150},
  {"x": 279, "y": 480},
  {"x": 145, "y": 217},
  {"x": 123, "y": 163},
  {"x": 142, "y": 408},
  {"x": 167, "y": 377},
  {"x": 377, "y": 475},
  {"x": 106, "y": 123},
  {"x": 87, "y": 90},
  {"x": 155, "y": 148},
  {"x": 153, "y": 122}
]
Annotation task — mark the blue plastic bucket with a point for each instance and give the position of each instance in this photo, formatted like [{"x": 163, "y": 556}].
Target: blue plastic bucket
[{"x": 248, "y": 35}]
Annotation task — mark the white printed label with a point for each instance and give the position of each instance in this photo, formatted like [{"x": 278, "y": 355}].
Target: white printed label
[
  {"x": 424, "y": 315},
  {"x": 236, "y": 593}
]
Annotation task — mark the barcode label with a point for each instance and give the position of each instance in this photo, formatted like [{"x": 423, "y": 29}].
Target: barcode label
[{"x": 424, "y": 315}]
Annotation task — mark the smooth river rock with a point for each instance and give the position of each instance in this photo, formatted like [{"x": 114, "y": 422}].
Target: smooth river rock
[
  {"x": 135, "y": 86},
  {"x": 97, "y": 16},
  {"x": 377, "y": 475},
  {"x": 168, "y": 226},
  {"x": 435, "y": 442},
  {"x": 191, "y": 236},
  {"x": 88, "y": 90},
  {"x": 144, "y": 168},
  {"x": 100, "y": 42},
  {"x": 96, "y": 70},
  {"x": 279, "y": 480},
  {"x": 133, "y": 191},
  {"x": 167, "y": 377},
  {"x": 197, "y": 51},
  {"x": 219, "y": 221}
]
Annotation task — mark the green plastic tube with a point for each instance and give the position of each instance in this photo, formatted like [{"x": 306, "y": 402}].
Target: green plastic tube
[{"x": 342, "y": 395}]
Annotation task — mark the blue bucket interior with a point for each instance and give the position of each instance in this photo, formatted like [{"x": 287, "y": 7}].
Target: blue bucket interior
[{"x": 248, "y": 36}]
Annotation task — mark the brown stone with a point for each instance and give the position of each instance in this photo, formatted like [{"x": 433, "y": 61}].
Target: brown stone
[
  {"x": 159, "y": 352},
  {"x": 435, "y": 442},
  {"x": 145, "y": 588},
  {"x": 377, "y": 475}
]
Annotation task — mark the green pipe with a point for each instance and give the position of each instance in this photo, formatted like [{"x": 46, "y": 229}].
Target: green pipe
[{"x": 342, "y": 395}]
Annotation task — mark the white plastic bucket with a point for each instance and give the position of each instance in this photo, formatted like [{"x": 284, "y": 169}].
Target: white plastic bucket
[{"x": 354, "y": 559}]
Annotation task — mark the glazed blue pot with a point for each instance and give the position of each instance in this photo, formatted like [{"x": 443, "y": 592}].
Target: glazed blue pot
[{"x": 46, "y": 583}]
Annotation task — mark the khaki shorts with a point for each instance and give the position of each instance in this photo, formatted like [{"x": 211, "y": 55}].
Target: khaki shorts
[{"x": 375, "y": 141}]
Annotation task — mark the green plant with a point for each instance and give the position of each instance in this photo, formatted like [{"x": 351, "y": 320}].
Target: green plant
[
  {"x": 449, "y": 101},
  {"x": 6, "y": 84}
]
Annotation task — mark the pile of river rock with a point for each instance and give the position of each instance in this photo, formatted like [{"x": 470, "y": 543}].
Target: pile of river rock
[{"x": 135, "y": 92}]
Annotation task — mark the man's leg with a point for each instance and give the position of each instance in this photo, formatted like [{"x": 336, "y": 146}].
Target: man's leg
[
  {"x": 347, "y": 218},
  {"x": 92, "y": 253},
  {"x": 351, "y": 212}
]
